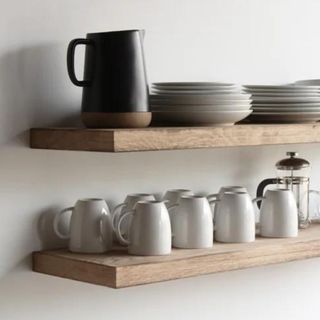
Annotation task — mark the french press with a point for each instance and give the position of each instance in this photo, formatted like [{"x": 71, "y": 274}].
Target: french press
[{"x": 292, "y": 173}]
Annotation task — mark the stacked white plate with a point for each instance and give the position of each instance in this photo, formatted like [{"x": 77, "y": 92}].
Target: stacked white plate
[
  {"x": 284, "y": 103},
  {"x": 198, "y": 103}
]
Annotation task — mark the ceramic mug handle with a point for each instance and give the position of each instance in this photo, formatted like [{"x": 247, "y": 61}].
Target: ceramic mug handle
[
  {"x": 258, "y": 199},
  {"x": 102, "y": 231},
  {"x": 56, "y": 221},
  {"x": 115, "y": 213},
  {"x": 212, "y": 196},
  {"x": 120, "y": 237},
  {"x": 213, "y": 202}
]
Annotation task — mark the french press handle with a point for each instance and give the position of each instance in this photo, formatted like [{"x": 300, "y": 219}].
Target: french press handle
[{"x": 262, "y": 185}]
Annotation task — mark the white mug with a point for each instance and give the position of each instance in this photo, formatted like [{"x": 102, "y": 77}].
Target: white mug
[
  {"x": 234, "y": 218},
  {"x": 193, "y": 225},
  {"x": 278, "y": 214},
  {"x": 90, "y": 229},
  {"x": 172, "y": 197},
  {"x": 221, "y": 192},
  {"x": 128, "y": 204},
  {"x": 150, "y": 229}
]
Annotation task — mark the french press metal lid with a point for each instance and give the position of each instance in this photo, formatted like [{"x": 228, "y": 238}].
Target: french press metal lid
[{"x": 292, "y": 163}]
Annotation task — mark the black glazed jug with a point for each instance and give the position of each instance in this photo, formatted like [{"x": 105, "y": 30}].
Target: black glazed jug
[{"x": 115, "y": 89}]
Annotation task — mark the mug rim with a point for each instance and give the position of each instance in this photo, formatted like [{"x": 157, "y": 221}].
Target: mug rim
[
  {"x": 278, "y": 189},
  {"x": 235, "y": 192},
  {"x": 91, "y": 199},
  {"x": 233, "y": 187},
  {"x": 179, "y": 190},
  {"x": 151, "y": 201},
  {"x": 193, "y": 197},
  {"x": 139, "y": 195}
]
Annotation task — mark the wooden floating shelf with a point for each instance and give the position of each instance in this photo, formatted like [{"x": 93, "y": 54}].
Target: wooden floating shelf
[
  {"x": 117, "y": 269},
  {"x": 173, "y": 138}
]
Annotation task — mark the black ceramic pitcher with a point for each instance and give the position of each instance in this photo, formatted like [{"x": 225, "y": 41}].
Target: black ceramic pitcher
[{"x": 115, "y": 89}]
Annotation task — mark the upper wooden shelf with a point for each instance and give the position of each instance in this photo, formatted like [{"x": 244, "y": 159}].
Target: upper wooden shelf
[
  {"x": 173, "y": 138},
  {"x": 117, "y": 269}
]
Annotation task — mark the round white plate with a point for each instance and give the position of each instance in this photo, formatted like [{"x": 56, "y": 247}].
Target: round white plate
[
  {"x": 226, "y": 88},
  {"x": 284, "y": 110},
  {"x": 286, "y": 117},
  {"x": 309, "y": 82},
  {"x": 287, "y": 105},
  {"x": 279, "y": 87},
  {"x": 292, "y": 89},
  {"x": 287, "y": 95},
  {"x": 192, "y": 84},
  {"x": 211, "y": 103},
  {"x": 206, "y": 92},
  {"x": 198, "y": 98},
  {"x": 200, "y": 118},
  {"x": 190, "y": 107},
  {"x": 287, "y": 100}
]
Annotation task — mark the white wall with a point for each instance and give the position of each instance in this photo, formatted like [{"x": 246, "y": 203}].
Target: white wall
[{"x": 245, "y": 41}]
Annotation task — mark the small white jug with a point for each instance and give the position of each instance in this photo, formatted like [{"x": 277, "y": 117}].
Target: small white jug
[
  {"x": 221, "y": 192},
  {"x": 90, "y": 229},
  {"x": 234, "y": 218},
  {"x": 193, "y": 225},
  {"x": 149, "y": 231},
  {"x": 128, "y": 204},
  {"x": 278, "y": 214}
]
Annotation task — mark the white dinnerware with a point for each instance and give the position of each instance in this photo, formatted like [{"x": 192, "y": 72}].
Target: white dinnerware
[
  {"x": 289, "y": 117},
  {"x": 222, "y": 190},
  {"x": 90, "y": 229},
  {"x": 193, "y": 225},
  {"x": 284, "y": 103},
  {"x": 283, "y": 87},
  {"x": 278, "y": 214},
  {"x": 128, "y": 204},
  {"x": 202, "y": 107},
  {"x": 149, "y": 231},
  {"x": 204, "y": 118},
  {"x": 309, "y": 82},
  {"x": 200, "y": 99},
  {"x": 172, "y": 196},
  {"x": 193, "y": 85},
  {"x": 234, "y": 218},
  {"x": 198, "y": 103}
]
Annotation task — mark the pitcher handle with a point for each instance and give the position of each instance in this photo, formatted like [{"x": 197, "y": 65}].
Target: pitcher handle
[
  {"x": 115, "y": 213},
  {"x": 120, "y": 237},
  {"x": 211, "y": 203},
  {"x": 56, "y": 221},
  {"x": 212, "y": 196},
  {"x": 261, "y": 188},
  {"x": 70, "y": 61},
  {"x": 256, "y": 200}
]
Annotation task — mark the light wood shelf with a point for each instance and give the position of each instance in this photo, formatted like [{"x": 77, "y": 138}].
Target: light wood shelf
[
  {"x": 173, "y": 138},
  {"x": 117, "y": 269}
]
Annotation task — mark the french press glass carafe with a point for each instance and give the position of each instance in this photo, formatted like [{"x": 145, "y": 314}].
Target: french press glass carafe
[{"x": 292, "y": 173}]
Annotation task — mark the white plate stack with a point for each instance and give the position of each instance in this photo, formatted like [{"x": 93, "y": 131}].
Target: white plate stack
[
  {"x": 198, "y": 103},
  {"x": 284, "y": 103}
]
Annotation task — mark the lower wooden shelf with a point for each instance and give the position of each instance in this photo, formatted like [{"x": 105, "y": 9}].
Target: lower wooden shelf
[{"x": 117, "y": 269}]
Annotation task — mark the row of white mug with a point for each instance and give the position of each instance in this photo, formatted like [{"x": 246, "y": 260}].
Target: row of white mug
[{"x": 181, "y": 219}]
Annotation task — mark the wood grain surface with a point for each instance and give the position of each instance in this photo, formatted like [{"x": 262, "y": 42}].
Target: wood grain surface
[
  {"x": 117, "y": 269},
  {"x": 154, "y": 138}
]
